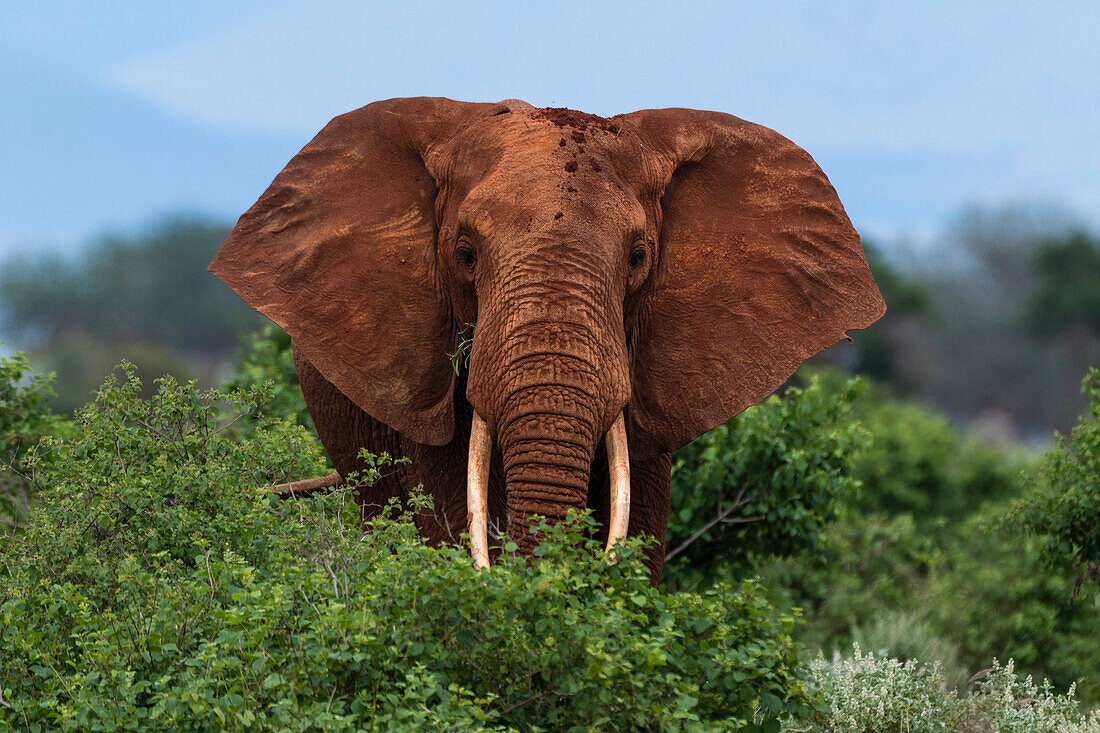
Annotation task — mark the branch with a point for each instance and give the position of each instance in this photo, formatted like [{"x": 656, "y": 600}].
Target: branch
[
  {"x": 723, "y": 516},
  {"x": 294, "y": 489}
]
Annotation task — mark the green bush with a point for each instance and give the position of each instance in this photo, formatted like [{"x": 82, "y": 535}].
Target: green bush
[
  {"x": 994, "y": 597},
  {"x": 25, "y": 417},
  {"x": 266, "y": 357},
  {"x": 912, "y": 565},
  {"x": 868, "y": 693},
  {"x": 764, "y": 484},
  {"x": 156, "y": 587},
  {"x": 1064, "y": 506},
  {"x": 919, "y": 463},
  {"x": 868, "y": 567}
]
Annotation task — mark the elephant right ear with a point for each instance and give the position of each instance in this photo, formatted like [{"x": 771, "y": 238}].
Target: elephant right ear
[
  {"x": 340, "y": 252},
  {"x": 759, "y": 269}
]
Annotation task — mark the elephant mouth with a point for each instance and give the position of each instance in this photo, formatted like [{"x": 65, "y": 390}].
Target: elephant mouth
[{"x": 477, "y": 487}]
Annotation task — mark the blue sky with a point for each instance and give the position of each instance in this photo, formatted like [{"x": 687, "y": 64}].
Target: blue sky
[{"x": 112, "y": 113}]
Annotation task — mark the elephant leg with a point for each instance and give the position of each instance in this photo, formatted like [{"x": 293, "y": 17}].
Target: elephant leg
[
  {"x": 650, "y": 493},
  {"x": 441, "y": 470},
  {"x": 344, "y": 428}
]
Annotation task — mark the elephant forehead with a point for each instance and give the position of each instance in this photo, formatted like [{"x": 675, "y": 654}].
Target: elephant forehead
[
  {"x": 529, "y": 168},
  {"x": 533, "y": 198},
  {"x": 546, "y": 140}
]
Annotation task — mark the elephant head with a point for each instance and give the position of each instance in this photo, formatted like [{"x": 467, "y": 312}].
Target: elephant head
[{"x": 664, "y": 269}]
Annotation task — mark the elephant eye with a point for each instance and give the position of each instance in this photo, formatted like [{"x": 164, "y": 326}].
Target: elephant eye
[
  {"x": 465, "y": 254},
  {"x": 637, "y": 257}
]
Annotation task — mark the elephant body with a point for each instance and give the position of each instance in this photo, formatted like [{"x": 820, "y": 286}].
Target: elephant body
[
  {"x": 344, "y": 428},
  {"x": 631, "y": 282}
]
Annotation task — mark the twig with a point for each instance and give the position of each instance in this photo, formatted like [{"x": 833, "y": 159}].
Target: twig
[
  {"x": 335, "y": 582},
  {"x": 721, "y": 517},
  {"x": 537, "y": 696}
]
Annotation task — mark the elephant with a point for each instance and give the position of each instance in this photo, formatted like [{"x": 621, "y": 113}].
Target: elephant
[{"x": 537, "y": 306}]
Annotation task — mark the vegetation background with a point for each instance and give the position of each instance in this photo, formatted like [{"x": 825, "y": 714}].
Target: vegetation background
[
  {"x": 869, "y": 547},
  {"x": 846, "y": 509}
]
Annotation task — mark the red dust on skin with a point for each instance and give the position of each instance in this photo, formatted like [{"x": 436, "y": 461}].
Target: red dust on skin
[
  {"x": 581, "y": 121},
  {"x": 594, "y": 164},
  {"x": 571, "y": 166},
  {"x": 558, "y": 216}
]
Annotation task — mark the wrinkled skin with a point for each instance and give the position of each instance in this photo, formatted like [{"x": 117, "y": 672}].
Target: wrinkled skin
[{"x": 675, "y": 264}]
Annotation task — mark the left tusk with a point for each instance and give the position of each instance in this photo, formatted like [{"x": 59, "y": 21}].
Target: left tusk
[
  {"x": 477, "y": 490},
  {"x": 618, "y": 465}
]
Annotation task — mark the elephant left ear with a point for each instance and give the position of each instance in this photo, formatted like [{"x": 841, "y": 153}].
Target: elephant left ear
[
  {"x": 759, "y": 268},
  {"x": 340, "y": 252}
]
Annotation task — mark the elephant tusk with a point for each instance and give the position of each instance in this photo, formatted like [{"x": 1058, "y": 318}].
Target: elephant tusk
[
  {"x": 477, "y": 490},
  {"x": 618, "y": 465}
]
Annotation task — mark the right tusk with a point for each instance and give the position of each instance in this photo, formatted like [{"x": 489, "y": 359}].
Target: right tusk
[
  {"x": 618, "y": 465},
  {"x": 477, "y": 490}
]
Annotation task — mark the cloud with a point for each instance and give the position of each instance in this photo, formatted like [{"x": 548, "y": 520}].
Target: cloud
[{"x": 910, "y": 109}]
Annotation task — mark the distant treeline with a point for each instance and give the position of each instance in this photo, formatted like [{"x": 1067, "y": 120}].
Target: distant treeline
[
  {"x": 147, "y": 297},
  {"x": 995, "y": 325}
]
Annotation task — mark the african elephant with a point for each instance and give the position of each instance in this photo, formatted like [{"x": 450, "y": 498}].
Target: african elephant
[{"x": 643, "y": 277}]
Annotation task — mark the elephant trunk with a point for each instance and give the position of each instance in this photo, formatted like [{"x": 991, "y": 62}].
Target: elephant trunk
[
  {"x": 554, "y": 390},
  {"x": 547, "y": 431}
]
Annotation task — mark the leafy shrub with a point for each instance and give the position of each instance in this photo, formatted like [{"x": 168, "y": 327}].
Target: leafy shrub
[
  {"x": 25, "y": 417},
  {"x": 868, "y": 567},
  {"x": 1064, "y": 506},
  {"x": 966, "y": 595},
  {"x": 156, "y": 587},
  {"x": 931, "y": 574},
  {"x": 868, "y": 693},
  {"x": 764, "y": 484},
  {"x": 995, "y": 598},
  {"x": 919, "y": 463},
  {"x": 266, "y": 357}
]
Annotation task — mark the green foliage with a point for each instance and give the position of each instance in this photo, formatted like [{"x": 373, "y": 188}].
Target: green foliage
[
  {"x": 25, "y": 417},
  {"x": 959, "y": 596},
  {"x": 156, "y": 587},
  {"x": 1064, "y": 506},
  {"x": 912, "y": 566},
  {"x": 994, "y": 597},
  {"x": 267, "y": 359},
  {"x": 765, "y": 483},
  {"x": 919, "y": 463},
  {"x": 873, "y": 693},
  {"x": 460, "y": 359},
  {"x": 869, "y": 566}
]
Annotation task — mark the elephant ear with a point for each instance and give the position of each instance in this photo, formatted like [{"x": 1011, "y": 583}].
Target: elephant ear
[
  {"x": 340, "y": 252},
  {"x": 758, "y": 269}
]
